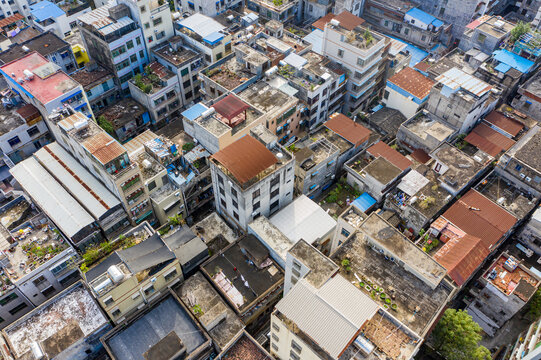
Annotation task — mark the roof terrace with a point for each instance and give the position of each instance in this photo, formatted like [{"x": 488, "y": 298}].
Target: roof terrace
[
  {"x": 179, "y": 56},
  {"x": 123, "y": 112},
  {"x": 313, "y": 152},
  {"x": 424, "y": 125},
  {"x": 153, "y": 79},
  {"x": 360, "y": 37},
  {"x": 245, "y": 348},
  {"x": 229, "y": 75},
  {"x": 266, "y": 98},
  {"x": 512, "y": 278},
  {"x": 321, "y": 267}
]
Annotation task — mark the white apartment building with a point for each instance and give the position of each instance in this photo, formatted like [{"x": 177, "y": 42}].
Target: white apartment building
[
  {"x": 58, "y": 17},
  {"x": 364, "y": 53},
  {"x": 153, "y": 18},
  {"x": 251, "y": 178},
  {"x": 208, "y": 7}
]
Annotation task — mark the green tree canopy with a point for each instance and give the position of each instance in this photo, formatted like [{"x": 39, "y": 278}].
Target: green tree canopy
[
  {"x": 106, "y": 125},
  {"x": 534, "y": 306},
  {"x": 520, "y": 29},
  {"x": 457, "y": 336}
]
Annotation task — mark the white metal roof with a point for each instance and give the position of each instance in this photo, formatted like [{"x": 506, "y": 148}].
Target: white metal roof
[
  {"x": 332, "y": 315},
  {"x": 303, "y": 219},
  {"x": 455, "y": 78},
  {"x": 412, "y": 183},
  {"x": 65, "y": 167},
  {"x": 201, "y": 24},
  {"x": 295, "y": 60},
  {"x": 51, "y": 197}
]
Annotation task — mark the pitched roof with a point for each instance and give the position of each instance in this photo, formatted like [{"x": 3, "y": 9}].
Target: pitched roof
[
  {"x": 412, "y": 82},
  {"x": 245, "y": 158},
  {"x": 420, "y": 155},
  {"x": 230, "y": 106},
  {"x": 476, "y": 215},
  {"x": 348, "y": 129},
  {"x": 103, "y": 147},
  {"x": 390, "y": 154},
  {"x": 488, "y": 140},
  {"x": 505, "y": 123},
  {"x": 10, "y": 20},
  {"x": 461, "y": 257},
  {"x": 347, "y": 20}
]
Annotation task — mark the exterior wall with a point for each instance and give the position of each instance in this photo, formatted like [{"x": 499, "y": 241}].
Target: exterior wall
[
  {"x": 60, "y": 26},
  {"x": 188, "y": 78},
  {"x": 518, "y": 172},
  {"x": 245, "y": 209},
  {"x": 12, "y": 307},
  {"x": 480, "y": 40},
  {"x": 129, "y": 296},
  {"x": 281, "y": 338},
  {"x": 65, "y": 59},
  {"x": 268, "y": 10},
  {"x": 294, "y": 271},
  {"x": 28, "y": 143},
  {"x": 313, "y": 181},
  {"x": 408, "y": 106},
  {"x": 211, "y": 55},
  {"x": 103, "y": 95},
  {"x": 208, "y": 7},
  {"x": 314, "y": 9},
  {"x": 526, "y": 102}
]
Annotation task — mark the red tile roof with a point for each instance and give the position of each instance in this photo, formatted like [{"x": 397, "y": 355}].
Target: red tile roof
[
  {"x": 10, "y": 20},
  {"x": 230, "y": 106},
  {"x": 413, "y": 82},
  {"x": 461, "y": 257},
  {"x": 390, "y": 154},
  {"x": 347, "y": 20},
  {"x": 488, "y": 140},
  {"x": 348, "y": 129},
  {"x": 245, "y": 158},
  {"x": 509, "y": 125},
  {"x": 476, "y": 215},
  {"x": 421, "y": 156}
]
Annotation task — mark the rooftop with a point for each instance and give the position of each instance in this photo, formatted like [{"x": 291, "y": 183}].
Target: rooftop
[
  {"x": 496, "y": 26},
  {"x": 512, "y": 278},
  {"x": 100, "y": 21},
  {"x": 387, "y": 121},
  {"x": 424, "y": 125},
  {"x": 201, "y": 25},
  {"x": 462, "y": 168},
  {"x": 271, "y": 236},
  {"x": 57, "y": 324},
  {"x": 505, "y": 121},
  {"x": 266, "y": 98},
  {"x": 346, "y": 19},
  {"x": 381, "y": 169},
  {"x": 230, "y": 74},
  {"x": 214, "y": 226},
  {"x": 91, "y": 78},
  {"x": 456, "y": 79},
  {"x": 196, "y": 290},
  {"x": 158, "y": 334},
  {"x": 45, "y": 10},
  {"x": 178, "y": 56},
  {"x": 359, "y": 36},
  {"x": 9, "y": 120},
  {"x": 504, "y": 193},
  {"x": 348, "y": 129},
  {"x": 413, "y": 82},
  {"x": 321, "y": 267},
  {"x": 397, "y": 159},
  {"x": 244, "y": 347},
  {"x": 122, "y": 112},
  {"x": 45, "y": 44},
  {"x": 488, "y": 140},
  {"x": 508, "y": 60},
  {"x": 47, "y": 83},
  {"x": 311, "y": 152},
  {"x": 153, "y": 79},
  {"x": 417, "y": 303},
  {"x": 333, "y": 138},
  {"x": 230, "y": 271},
  {"x": 148, "y": 165},
  {"x": 527, "y": 150}
]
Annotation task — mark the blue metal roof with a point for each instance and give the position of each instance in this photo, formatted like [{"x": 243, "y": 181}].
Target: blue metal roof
[
  {"x": 194, "y": 112},
  {"x": 420, "y": 15},
  {"x": 45, "y": 10},
  {"x": 513, "y": 60},
  {"x": 364, "y": 202},
  {"x": 502, "y": 67},
  {"x": 417, "y": 54},
  {"x": 213, "y": 37},
  {"x": 437, "y": 23}
]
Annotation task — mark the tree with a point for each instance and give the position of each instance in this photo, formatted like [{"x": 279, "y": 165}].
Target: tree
[
  {"x": 456, "y": 337},
  {"x": 106, "y": 125},
  {"x": 519, "y": 30},
  {"x": 534, "y": 306}
]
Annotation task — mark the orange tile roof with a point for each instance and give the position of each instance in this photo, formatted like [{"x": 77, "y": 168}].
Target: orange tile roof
[
  {"x": 103, "y": 147},
  {"x": 347, "y": 20},
  {"x": 348, "y": 129},
  {"x": 390, "y": 154},
  {"x": 10, "y": 20},
  {"x": 321, "y": 22},
  {"x": 413, "y": 82},
  {"x": 461, "y": 257},
  {"x": 488, "y": 140},
  {"x": 245, "y": 158},
  {"x": 509, "y": 125}
]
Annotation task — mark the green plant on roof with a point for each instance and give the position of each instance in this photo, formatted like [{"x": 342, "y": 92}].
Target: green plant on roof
[
  {"x": 277, "y": 2},
  {"x": 520, "y": 29},
  {"x": 346, "y": 264},
  {"x": 188, "y": 146},
  {"x": 105, "y": 125},
  {"x": 197, "y": 310},
  {"x": 368, "y": 37}
]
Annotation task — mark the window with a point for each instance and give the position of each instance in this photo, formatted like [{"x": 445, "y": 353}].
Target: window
[
  {"x": 233, "y": 192},
  {"x": 481, "y": 38},
  {"x": 386, "y": 95},
  {"x": 275, "y": 327},
  {"x": 222, "y": 191},
  {"x": 423, "y": 38},
  {"x": 116, "y": 313},
  {"x": 256, "y": 194},
  {"x": 33, "y": 131},
  {"x": 18, "y": 308},
  {"x": 171, "y": 275},
  {"x": 133, "y": 58},
  {"x": 118, "y": 51},
  {"x": 150, "y": 39},
  {"x": 275, "y": 192},
  {"x": 222, "y": 201},
  {"x": 14, "y": 141},
  {"x": 151, "y": 185},
  {"x": 125, "y": 78},
  {"x": 274, "y": 347},
  {"x": 256, "y": 205},
  {"x": 160, "y": 35},
  {"x": 60, "y": 267},
  {"x": 235, "y": 204},
  {"x": 220, "y": 179},
  {"x": 293, "y": 356},
  {"x": 386, "y": 23},
  {"x": 8, "y": 299},
  {"x": 275, "y": 181},
  {"x": 340, "y": 53},
  {"x": 345, "y": 232},
  {"x": 275, "y": 338},
  {"x": 129, "y": 44},
  {"x": 143, "y": 9},
  {"x": 406, "y": 31},
  {"x": 358, "y": 75},
  {"x": 236, "y": 216},
  {"x": 141, "y": 54},
  {"x": 124, "y": 64},
  {"x": 518, "y": 167},
  {"x": 184, "y": 72},
  {"x": 147, "y": 25},
  {"x": 157, "y": 21},
  {"x": 108, "y": 301},
  {"x": 442, "y": 11},
  {"x": 138, "y": 40},
  {"x": 296, "y": 346},
  {"x": 49, "y": 291},
  {"x": 149, "y": 290},
  {"x": 39, "y": 280},
  {"x": 360, "y": 61}
]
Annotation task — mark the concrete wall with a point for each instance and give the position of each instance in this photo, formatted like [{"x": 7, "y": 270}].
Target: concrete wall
[{"x": 405, "y": 105}]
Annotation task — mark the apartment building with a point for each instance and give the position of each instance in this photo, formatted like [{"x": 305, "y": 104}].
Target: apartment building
[
  {"x": 209, "y": 8},
  {"x": 251, "y": 178},
  {"x": 153, "y": 17},
  {"x": 115, "y": 41},
  {"x": 283, "y": 11},
  {"x": 529, "y": 11},
  {"x": 486, "y": 34},
  {"x": 312, "y": 10},
  {"x": 99, "y": 85},
  {"x": 158, "y": 90},
  {"x": 185, "y": 63},
  {"x": 60, "y": 17},
  {"x": 525, "y": 346},
  {"x": 364, "y": 54},
  {"x": 528, "y": 99}
]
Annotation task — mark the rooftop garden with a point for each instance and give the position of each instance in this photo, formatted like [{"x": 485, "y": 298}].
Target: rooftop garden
[
  {"x": 339, "y": 197},
  {"x": 148, "y": 81}
]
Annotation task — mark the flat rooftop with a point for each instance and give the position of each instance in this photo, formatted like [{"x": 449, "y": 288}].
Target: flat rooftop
[
  {"x": 46, "y": 43},
  {"x": 309, "y": 153},
  {"x": 321, "y": 267},
  {"x": 333, "y": 138},
  {"x": 214, "y": 226},
  {"x": 462, "y": 167},
  {"x": 57, "y": 324},
  {"x": 533, "y": 86},
  {"x": 48, "y": 82},
  {"x": 382, "y": 170},
  {"x": 504, "y": 193},
  {"x": 496, "y": 26},
  {"x": 224, "y": 270},
  {"x": 197, "y": 290},
  {"x": 245, "y": 348},
  {"x": 91, "y": 78},
  {"x": 508, "y": 276},
  {"x": 530, "y": 153},
  {"x": 153, "y": 334},
  {"x": 272, "y": 236},
  {"x": 386, "y": 120},
  {"x": 155, "y": 76},
  {"x": 177, "y": 57},
  {"x": 148, "y": 165},
  {"x": 417, "y": 303},
  {"x": 229, "y": 74},
  {"x": 16, "y": 212},
  {"x": 355, "y": 37},
  {"x": 9, "y": 120},
  {"x": 265, "y": 98},
  {"x": 424, "y": 125}
]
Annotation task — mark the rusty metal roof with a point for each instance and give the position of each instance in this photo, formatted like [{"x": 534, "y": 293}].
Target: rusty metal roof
[
  {"x": 348, "y": 129},
  {"x": 245, "y": 158},
  {"x": 507, "y": 124},
  {"x": 390, "y": 154},
  {"x": 488, "y": 140},
  {"x": 455, "y": 78},
  {"x": 412, "y": 82},
  {"x": 230, "y": 106},
  {"x": 103, "y": 147},
  {"x": 420, "y": 155},
  {"x": 10, "y": 20},
  {"x": 347, "y": 20},
  {"x": 461, "y": 257}
]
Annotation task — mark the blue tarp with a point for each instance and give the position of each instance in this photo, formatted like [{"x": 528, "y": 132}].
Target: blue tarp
[
  {"x": 194, "y": 112},
  {"x": 45, "y": 10},
  {"x": 416, "y": 54},
  {"x": 364, "y": 202},
  {"x": 213, "y": 37},
  {"x": 376, "y": 108},
  {"x": 513, "y": 60}
]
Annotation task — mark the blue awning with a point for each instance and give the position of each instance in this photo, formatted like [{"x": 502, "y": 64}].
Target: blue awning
[
  {"x": 364, "y": 202},
  {"x": 213, "y": 37},
  {"x": 377, "y": 107},
  {"x": 194, "y": 112},
  {"x": 72, "y": 95}
]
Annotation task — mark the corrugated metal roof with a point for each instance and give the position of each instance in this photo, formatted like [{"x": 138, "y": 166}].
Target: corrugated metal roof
[
  {"x": 99, "y": 17},
  {"x": 10, "y": 20},
  {"x": 245, "y": 158},
  {"x": 332, "y": 315},
  {"x": 455, "y": 78},
  {"x": 103, "y": 147},
  {"x": 390, "y": 154},
  {"x": 488, "y": 140},
  {"x": 461, "y": 257},
  {"x": 303, "y": 219},
  {"x": 114, "y": 26},
  {"x": 201, "y": 24},
  {"x": 412, "y": 183},
  {"x": 51, "y": 197},
  {"x": 509, "y": 125},
  {"x": 412, "y": 82},
  {"x": 348, "y": 129},
  {"x": 230, "y": 106}
]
